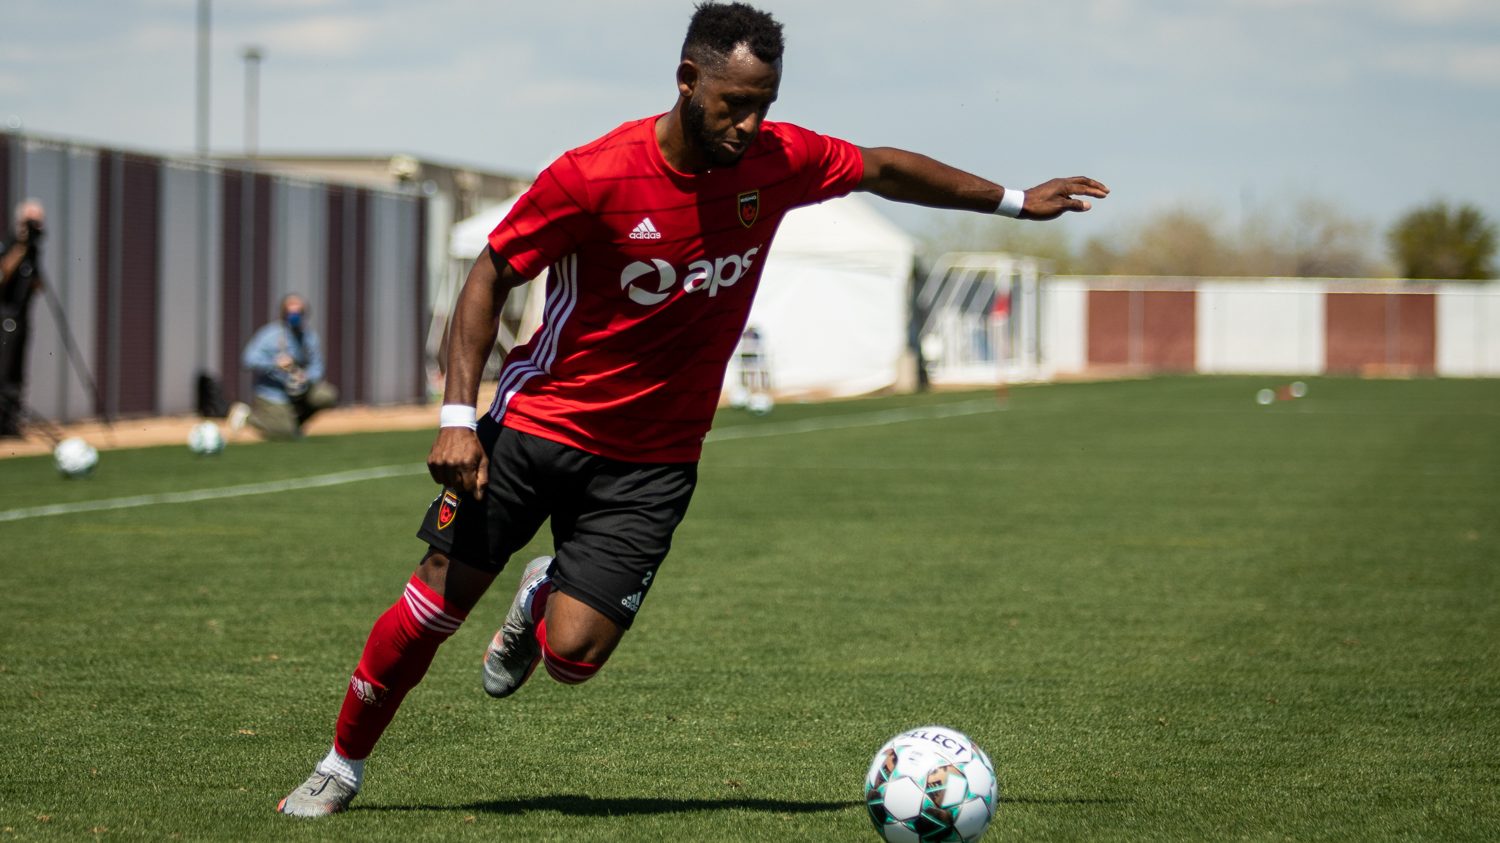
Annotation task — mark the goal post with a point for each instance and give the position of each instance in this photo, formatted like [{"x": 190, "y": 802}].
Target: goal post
[{"x": 979, "y": 316}]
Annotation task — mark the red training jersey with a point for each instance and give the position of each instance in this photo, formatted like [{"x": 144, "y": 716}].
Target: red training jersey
[{"x": 652, "y": 275}]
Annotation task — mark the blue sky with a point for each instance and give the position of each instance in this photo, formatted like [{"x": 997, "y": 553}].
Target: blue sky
[{"x": 1376, "y": 105}]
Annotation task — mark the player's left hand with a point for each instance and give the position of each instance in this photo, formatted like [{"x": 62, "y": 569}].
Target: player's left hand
[{"x": 1051, "y": 199}]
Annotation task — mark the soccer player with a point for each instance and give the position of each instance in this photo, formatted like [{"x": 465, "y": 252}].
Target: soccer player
[{"x": 655, "y": 236}]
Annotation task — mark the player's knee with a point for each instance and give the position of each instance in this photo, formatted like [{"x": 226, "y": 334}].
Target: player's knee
[
  {"x": 573, "y": 655},
  {"x": 580, "y": 645}
]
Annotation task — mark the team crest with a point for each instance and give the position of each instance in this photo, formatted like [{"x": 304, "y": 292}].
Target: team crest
[
  {"x": 447, "y": 509},
  {"x": 749, "y": 207}
]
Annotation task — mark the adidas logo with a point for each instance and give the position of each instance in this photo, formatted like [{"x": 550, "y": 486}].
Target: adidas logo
[
  {"x": 645, "y": 230},
  {"x": 368, "y": 693},
  {"x": 633, "y": 602}
]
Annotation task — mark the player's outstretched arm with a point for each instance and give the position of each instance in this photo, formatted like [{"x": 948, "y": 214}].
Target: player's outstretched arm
[
  {"x": 456, "y": 460},
  {"x": 903, "y": 176}
]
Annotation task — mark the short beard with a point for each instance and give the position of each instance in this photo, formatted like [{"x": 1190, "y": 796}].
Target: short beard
[{"x": 695, "y": 118}]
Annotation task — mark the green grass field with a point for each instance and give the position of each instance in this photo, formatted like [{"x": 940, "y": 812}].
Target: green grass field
[{"x": 1166, "y": 612}]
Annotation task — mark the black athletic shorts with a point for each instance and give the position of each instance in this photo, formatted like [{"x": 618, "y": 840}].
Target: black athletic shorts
[{"x": 612, "y": 521}]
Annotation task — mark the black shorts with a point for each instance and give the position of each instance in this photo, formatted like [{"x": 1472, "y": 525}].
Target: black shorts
[{"x": 612, "y": 521}]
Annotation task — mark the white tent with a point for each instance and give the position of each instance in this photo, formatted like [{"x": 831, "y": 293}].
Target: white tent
[
  {"x": 832, "y": 304},
  {"x": 466, "y": 240}
]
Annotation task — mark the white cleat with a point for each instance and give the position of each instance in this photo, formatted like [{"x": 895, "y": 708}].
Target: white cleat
[
  {"x": 514, "y": 652},
  {"x": 322, "y": 794}
]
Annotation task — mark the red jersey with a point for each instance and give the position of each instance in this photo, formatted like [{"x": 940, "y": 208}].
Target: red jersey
[{"x": 652, "y": 275}]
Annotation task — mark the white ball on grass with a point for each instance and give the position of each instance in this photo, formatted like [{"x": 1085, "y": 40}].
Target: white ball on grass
[
  {"x": 74, "y": 457},
  {"x": 205, "y": 439}
]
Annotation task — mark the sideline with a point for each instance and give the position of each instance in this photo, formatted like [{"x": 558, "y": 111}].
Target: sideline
[
  {"x": 853, "y": 420},
  {"x": 749, "y": 431},
  {"x": 267, "y": 488}
]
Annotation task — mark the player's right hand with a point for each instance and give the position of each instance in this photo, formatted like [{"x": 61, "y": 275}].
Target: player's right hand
[{"x": 458, "y": 461}]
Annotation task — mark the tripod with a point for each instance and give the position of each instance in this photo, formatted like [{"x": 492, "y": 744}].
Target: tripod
[
  {"x": 29, "y": 416},
  {"x": 31, "y": 419}
]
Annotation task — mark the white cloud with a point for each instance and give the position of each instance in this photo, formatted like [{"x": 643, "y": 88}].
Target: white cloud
[
  {"x": 1159, "y": 97},
  {"x": 156, "y": 38},
  {"x": 325, "y": 36},
  {"x": 1442, "y": 11},
  {"x": 1476, "y": 66}
]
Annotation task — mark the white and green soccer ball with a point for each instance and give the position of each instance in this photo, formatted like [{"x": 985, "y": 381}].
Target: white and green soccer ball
[
  {"x": 931, "y": 783},
  {"x": 205, "y": 439},
  {"x": 75, "y": 457}
]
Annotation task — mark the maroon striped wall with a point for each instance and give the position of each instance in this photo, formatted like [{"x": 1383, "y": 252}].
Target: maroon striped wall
[
  {"x": 419, "y": 301},
  {"x": 348, "y": 308},
  {"x": 131, "y": 286},
  {"x": 1370, "y": 333},
  {"x": 359, "y": 318},
  {"x": 140, "y": 285},
  {"x": 262, "y": 308},
  {"x": 1109, "y": 327},
  {"x": 335, "y": 205},
  {"x": 1171, "y": 323},
  {"x": 128, "y": 269},
  {"x": 245, "y": 271},
  {"x": 1148, "y": 329},
  {"x": 232, "y": 335}
]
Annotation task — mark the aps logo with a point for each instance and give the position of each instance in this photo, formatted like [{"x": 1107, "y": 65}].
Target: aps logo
[{"x": 651, "y": 283}]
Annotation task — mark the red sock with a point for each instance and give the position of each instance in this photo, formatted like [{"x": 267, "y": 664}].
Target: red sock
[
  {"x": 396, "y": 657},
  {"x": 539, "y": 602},
  {"x": 563, "y": 670}
]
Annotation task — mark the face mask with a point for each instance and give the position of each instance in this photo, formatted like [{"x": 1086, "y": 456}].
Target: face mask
[{"x": 294, "y": 321}]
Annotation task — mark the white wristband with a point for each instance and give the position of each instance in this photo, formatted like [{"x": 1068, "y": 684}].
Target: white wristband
[
  {"x": 458, "y": 415},
  {"x": 1011, "y": 202}
]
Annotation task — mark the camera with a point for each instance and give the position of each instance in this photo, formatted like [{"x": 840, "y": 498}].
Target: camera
[{"x": 33, "y": 231}]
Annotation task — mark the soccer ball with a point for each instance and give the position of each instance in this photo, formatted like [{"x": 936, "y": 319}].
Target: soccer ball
[
  {"x": 930, "y": 783},
  {"x": 205, "y": 439},
  {"x": 760, "y": 404},
  {"x": 75, "y": 457}
]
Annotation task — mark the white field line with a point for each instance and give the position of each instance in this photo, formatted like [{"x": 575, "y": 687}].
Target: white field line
[
  {"x": 884, "y": 417},
  {"x": 196, "y": 495}
]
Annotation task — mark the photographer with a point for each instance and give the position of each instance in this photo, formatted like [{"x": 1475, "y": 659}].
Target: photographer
[
  {"x": 20, "y": 279},
  {"x": 287, "y": 360}
]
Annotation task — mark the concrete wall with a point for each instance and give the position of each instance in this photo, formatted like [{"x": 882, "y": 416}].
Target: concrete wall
[
  {"x": 1279, "y": 325},
  {"x": 161, "y": 269}
]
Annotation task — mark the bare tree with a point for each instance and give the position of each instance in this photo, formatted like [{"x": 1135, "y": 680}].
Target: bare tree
[
  {"x": 1180, "y": 241},
  {"x": 1311, "y": 238},
  {"x": 1317, "y": 240}
]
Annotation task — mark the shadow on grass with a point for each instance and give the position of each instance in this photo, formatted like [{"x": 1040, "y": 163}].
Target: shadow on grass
[{"x": 588, "y": 806}]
